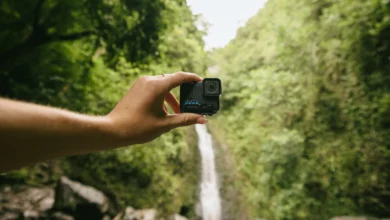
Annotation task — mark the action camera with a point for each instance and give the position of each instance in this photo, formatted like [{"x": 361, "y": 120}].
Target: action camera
[{"x": 201, "y": 97}]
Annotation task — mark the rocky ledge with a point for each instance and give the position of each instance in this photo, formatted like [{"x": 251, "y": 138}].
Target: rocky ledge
[{"x": 70, "y": 200}]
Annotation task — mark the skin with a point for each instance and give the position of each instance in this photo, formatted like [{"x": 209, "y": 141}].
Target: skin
[{"x": 31, "y": 133}]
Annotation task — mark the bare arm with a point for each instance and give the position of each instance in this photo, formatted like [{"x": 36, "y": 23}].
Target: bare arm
[{"x": 31, "y": 133}]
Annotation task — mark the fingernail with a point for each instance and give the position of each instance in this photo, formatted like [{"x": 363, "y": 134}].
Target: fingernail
[{"x": 201, "y": 120}]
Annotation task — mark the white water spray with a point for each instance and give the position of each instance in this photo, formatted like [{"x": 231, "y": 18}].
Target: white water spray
[{"x": 210, "y": 201}]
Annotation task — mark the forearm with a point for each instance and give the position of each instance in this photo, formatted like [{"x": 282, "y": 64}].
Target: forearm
[{"x": 30, "y": 133}]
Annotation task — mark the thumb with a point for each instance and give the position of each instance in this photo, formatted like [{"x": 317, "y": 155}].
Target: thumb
[{"x": 184, "y": 119}]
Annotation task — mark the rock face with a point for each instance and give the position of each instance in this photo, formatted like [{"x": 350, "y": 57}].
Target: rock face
[{"x": 83, "y": 202}]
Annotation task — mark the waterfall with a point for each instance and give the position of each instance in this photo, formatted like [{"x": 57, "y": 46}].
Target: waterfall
[{"x": 210, "y": 202}]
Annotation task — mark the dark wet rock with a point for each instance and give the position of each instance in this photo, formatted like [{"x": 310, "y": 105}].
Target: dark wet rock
[
  {"x": 81, "y": 201},
  {"x": 71, "y": 200}
]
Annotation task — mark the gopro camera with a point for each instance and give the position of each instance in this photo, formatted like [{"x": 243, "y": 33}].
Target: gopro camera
[{"x": 201, "y": 97}]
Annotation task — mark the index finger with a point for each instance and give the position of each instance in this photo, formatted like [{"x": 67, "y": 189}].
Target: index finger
[
  {"x": 176, "y": 79},
  {"x": 173, "y": 102}
]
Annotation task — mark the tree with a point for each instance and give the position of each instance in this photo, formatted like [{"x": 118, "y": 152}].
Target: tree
[
  {"x": 83, "y": 55},
  {"x": 306, "y": 112}
]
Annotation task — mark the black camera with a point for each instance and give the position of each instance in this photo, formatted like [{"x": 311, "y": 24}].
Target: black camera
[{"x": 201, "y": 97}]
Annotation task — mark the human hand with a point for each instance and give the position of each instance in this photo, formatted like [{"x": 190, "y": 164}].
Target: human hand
[{"x": 141, "y": 115}]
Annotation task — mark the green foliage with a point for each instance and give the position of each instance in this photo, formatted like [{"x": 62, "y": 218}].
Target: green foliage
[
  {"x": 306, "y": 108},
  {"x": 143, "y": 176},
  {"x": 83, "y": 55}
]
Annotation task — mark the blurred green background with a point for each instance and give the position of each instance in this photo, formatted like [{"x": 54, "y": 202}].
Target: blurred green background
[
  {"x": 305, "y": 110},
  {"x": 84, "y": 55}
]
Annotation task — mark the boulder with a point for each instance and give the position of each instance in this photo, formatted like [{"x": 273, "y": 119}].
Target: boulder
[
  {"x": 144, "y": 214},
  {"x": 106, "y": 217},
  {"x": 28, "y": 202},
  {"x": 177, "y": 217},
  {"x": 31, "y": 214},
  {"x": 10, "y": 216},
  {"x": 353, "y": 218},
  {"x": 71, "y": 200},
  {"x": 81, "y": 201},
  {"x": 60, "y": 216}
]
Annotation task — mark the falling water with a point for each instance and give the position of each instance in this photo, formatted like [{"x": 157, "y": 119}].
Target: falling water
[{"x": 210, "y": 202}]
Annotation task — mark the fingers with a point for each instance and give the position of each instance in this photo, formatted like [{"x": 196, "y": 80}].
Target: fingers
[
  {"x": 165, "y": 109},
  {"x": 176, "y": 79},
  {"x": 172, "y": 101},
  {"x": 185, "y": 119}
]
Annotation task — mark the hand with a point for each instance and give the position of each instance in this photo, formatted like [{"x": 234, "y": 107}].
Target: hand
[
  {"x": 43, "y": 133},
  {"x": 141, "y": 115}
]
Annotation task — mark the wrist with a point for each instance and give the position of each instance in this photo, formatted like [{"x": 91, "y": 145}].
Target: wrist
[{"x": 109, "y": 136}]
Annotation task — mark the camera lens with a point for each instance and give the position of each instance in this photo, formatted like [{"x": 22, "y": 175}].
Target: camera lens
[{"x": 212, "y": 87}]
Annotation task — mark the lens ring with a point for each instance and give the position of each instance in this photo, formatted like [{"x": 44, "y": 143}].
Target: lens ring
[{"x": 211, "y": 87}]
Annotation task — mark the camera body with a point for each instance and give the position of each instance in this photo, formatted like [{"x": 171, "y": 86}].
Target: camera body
[{"x": 201, "y": 97}]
